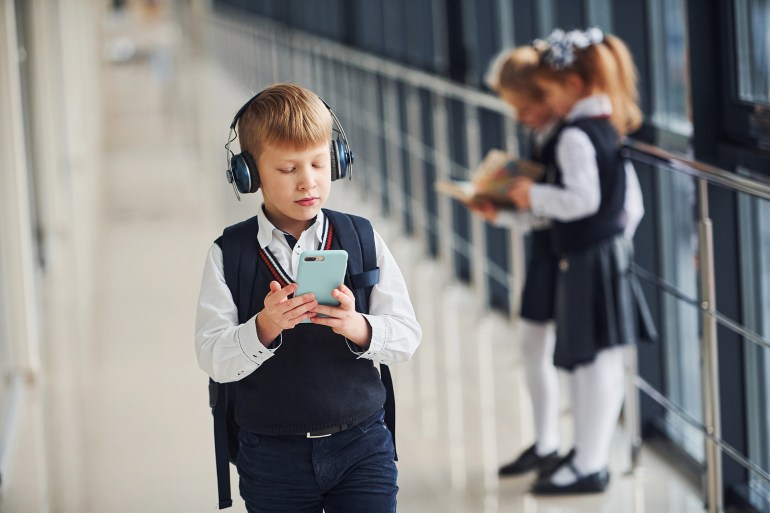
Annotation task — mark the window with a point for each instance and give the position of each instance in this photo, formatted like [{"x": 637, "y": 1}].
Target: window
[
  {"x": 678, "y": 235},
  {"x": 755, "y": 278},
  {"x": 599, "y": 14},
  {"x": 671, "y": 109},
  {"x": 752, "y": 19},
  {"x": 546, "y": 20}
]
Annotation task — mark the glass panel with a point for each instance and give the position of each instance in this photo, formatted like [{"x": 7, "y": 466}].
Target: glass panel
[
  {"x": 671, "y": 86},
  {"x": 755, "y": 277},
  {"x": 599, "y": 14},
  {"x": 505, "y": 15},
  {"x": 752, "y": 20},
  {"x": 545, "y": 17},
  {"x": 678, "y": 234}
]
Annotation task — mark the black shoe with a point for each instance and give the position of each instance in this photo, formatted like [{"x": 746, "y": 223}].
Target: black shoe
[
  {"x": 592, "y": 483},
  {"x": 529, "y": 461},
  {"x": 547, "y": 470}
]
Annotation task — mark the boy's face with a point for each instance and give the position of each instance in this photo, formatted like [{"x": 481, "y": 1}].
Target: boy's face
[
  {"x": 533, "y": 114},
  {"x": 295, "y": 184}
]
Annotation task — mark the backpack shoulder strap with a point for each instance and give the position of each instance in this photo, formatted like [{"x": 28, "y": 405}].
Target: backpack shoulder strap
[
  {"x": 239, "y": 256},
  {"x": 356, "y": 236}
]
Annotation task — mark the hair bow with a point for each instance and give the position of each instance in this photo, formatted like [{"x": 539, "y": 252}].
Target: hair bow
[{"x": 558, "y": 49}]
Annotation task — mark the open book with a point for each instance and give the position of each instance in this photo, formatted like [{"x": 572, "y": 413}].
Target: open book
[{"x": 491, "y": 180}]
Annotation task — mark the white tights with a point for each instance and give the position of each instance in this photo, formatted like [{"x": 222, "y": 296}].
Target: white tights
[
  {"x": 537, "y": 346},
  {"x": 597, "y": 395}
]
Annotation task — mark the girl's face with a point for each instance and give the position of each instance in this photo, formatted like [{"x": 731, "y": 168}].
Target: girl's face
[
  {"x": 561, "y": 96},
  {"x": 535, "y": 115}
]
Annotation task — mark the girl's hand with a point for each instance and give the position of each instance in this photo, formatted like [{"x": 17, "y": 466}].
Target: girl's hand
[
  {"x": 519, "y": 193},
  {"x": 483, "y": 207},
  {"x": 343, "y": 319},
  {"x": 281, "y": 313}
]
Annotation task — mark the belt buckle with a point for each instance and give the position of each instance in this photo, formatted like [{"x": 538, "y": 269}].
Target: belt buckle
[{"x": 311, "y": 435}]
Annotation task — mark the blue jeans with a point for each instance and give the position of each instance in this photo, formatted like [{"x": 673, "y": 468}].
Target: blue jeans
[{"x": 348, "y": 472}]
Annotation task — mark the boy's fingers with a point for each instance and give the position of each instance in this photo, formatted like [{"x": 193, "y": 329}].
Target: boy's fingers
[
  {"x": 344, "y": 296},
  {"x": 280, "y": 294},
  {"x": 344, "y": 289}
]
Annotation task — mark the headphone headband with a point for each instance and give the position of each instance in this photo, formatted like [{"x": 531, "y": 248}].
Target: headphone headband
[{"x": 242, "y": 170}]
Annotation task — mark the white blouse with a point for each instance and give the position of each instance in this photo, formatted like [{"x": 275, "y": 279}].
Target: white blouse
[
  {"x": 229, "y": 351},
  {"x": 579, "y": 196}
]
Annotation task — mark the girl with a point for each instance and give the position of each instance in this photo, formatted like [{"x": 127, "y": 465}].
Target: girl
[
  {"x": 511, "y": 76},
  {"x": 589, "y": 81}
]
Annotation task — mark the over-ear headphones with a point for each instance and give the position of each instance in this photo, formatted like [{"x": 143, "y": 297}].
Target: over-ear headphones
[{"x": 242, "y": 171}]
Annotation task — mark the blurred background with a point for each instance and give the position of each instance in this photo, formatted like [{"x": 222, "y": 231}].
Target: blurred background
[{"x": 113, "y": 119}]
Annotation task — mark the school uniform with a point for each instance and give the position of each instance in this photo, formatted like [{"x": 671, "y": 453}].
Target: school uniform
[
  {"x": 594, "y": 308},
  {"x": 593, "y": 200},
  {"x": 537, "y": 329},
  {"x": 537, "y": 298},
  {"x": 308, "y": 382}
]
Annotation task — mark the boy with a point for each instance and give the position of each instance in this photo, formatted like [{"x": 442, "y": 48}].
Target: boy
[{"x": 309, "y": 400}]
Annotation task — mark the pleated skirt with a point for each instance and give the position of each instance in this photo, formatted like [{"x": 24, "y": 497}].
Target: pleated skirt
[
  {"x": 538, "y": 296},
  {"x": 594, "y": 304}
]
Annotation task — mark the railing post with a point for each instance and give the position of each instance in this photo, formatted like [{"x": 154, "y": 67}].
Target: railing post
[
  {"x": 444, "y": 205},
  {"x": 631, "y": 416},
  {"x": 478, "y": 230},
  {"x": 711, "y": 408}
]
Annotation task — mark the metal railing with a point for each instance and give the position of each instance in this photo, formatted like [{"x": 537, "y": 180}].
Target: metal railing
[{"x": 368, "y": 92}]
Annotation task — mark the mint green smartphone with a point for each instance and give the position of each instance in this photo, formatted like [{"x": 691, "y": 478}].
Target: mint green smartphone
[{"x": 320, "y": 272}]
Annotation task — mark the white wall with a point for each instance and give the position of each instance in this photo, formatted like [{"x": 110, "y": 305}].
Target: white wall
[{"x": 49, "y": 173}]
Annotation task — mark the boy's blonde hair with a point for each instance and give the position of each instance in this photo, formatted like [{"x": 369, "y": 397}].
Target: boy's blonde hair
[
  {"x": 608, "y": 67},
  {"x": 513, "y": 70},
  {"x": 284, "y": 115}
]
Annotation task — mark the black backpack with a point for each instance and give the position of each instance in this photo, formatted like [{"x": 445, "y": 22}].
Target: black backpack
[{"x": 239, "y": 248}]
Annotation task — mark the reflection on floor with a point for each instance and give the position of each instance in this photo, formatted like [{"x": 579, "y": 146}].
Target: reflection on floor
[{"x": 462, "y": 405}]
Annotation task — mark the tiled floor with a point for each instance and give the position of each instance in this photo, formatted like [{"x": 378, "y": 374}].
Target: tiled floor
[{"x": 462, "y": 407}]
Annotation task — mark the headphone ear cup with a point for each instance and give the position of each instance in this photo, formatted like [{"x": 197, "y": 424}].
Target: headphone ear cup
[
  {"x": 253, "y": 171},
  {"x": 342, "y": 160},
  {"x": 245, "y": 173},
  {"x": 335, "y": 161}
]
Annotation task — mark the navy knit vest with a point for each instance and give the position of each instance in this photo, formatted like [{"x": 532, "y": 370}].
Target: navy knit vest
[
  {"x": 312, "y": 382},
  {"x": 610, "y": 220}
]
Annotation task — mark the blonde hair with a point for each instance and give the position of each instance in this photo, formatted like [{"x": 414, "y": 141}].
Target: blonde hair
[
  {"x": 284, "y": 115},
  {"x": 607, "y": 67},
  {"x": 513, "y": 70}
]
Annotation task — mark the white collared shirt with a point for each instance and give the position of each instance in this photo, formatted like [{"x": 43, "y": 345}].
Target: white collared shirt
[
  {"x": 229, "y": 351},
  {"x": 580, "y": 193}
]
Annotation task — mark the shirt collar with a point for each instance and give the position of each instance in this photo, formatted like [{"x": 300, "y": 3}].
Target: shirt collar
[
  {"x": 591, "y": 106},
  {"x": 267, "y": 230}
]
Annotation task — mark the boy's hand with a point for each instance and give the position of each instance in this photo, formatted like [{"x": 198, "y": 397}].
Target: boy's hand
[
  {"x": 281, "y": 313},
  {"x": 343, "y": 319},
  {"x": 519, "y": 193}
]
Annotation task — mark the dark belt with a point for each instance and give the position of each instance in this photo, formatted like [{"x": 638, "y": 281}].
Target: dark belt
[{"x": 326, "y": 432}]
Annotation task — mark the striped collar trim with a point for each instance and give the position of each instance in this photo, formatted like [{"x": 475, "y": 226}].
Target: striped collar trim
[{"x": 278, "y": 272}]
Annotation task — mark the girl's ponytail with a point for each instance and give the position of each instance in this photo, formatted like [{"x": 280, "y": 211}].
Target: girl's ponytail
[
  {"x": 603, "y": 63},
  {"x": 628, "y": 93}
]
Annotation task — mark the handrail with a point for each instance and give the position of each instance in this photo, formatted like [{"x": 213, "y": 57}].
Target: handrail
[
  {"x": 379, "y": 65},
  {"x": 753, "y": 185}
]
